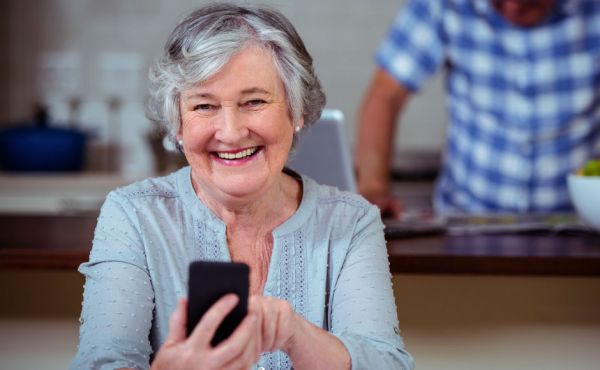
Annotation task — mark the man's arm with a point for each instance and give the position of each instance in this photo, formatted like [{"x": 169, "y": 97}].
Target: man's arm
[{"x": 383, "y": 102}]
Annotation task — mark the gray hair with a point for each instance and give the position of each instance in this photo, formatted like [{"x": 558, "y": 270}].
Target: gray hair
[{"x": 207, "y": 38}]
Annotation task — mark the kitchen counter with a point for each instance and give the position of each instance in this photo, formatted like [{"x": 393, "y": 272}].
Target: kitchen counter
[
  {"x": 48, "y": 222},
  {"x": 46, "y": 241},
  {"x": 55, "y": 194},
  {"x": 64, "y": 241},
  {"x": 576, "y": 254}
]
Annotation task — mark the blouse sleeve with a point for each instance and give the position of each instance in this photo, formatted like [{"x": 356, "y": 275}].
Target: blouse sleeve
[
  {"x": 363, "y": 312},
  {"x": 118, "y": 298}
]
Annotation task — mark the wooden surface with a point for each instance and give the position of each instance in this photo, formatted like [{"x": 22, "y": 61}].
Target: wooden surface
[
  {"x": 519, "y": 254},
  {"x": 64, "y": 242},
  {"x": 43, "y": 241}
]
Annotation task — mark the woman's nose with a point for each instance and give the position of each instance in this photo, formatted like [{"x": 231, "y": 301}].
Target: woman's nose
[{"x": 231, "y": 127}]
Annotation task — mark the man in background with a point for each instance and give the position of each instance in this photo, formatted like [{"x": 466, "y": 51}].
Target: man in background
[{"x": 523, "y": 100}]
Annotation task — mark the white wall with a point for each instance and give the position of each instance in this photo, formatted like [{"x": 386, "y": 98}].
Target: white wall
[
  {"x": 342, "y": 36},
  {"x": 448, "y": 322}
]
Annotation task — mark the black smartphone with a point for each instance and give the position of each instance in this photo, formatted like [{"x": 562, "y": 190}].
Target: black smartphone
[{"x": 209, "y": 281}]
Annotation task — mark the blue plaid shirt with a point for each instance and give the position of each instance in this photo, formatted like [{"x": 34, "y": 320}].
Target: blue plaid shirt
[{"x": 523, "y": 103}]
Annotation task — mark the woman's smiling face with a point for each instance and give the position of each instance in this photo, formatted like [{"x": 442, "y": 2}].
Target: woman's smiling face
[{"x": 236, "y": 128}]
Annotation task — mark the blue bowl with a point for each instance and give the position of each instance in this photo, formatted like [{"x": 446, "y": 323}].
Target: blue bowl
[{"x": 42, "y": 149}]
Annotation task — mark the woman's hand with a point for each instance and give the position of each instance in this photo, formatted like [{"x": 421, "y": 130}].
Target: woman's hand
[
  {"x": 278, "y": 323},
  {"x": 308, "y": 346},
  {"x": 271, "y": 324},
  {"x": 240, "y": 351}
]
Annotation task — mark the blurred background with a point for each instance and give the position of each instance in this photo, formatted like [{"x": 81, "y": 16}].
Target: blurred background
[{"x": 87, "y": 62}]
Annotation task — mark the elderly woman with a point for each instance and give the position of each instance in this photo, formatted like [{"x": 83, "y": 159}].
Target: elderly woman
[{"x": 235, "y": 86}]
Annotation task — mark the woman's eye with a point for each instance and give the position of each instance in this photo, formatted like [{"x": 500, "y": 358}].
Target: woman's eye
[
  {"x": 204, "y": 107},
  {"x": 254, "y": 103}
]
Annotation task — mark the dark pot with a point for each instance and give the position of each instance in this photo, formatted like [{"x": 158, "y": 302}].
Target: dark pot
[{"x": 42, "y": 149}]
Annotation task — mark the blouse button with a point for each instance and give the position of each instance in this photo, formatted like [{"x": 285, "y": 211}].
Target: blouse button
[{"x": 261, "y": 368}]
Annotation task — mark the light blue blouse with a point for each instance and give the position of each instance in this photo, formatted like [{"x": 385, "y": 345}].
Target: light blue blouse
[{"x": 329, "y": 261}]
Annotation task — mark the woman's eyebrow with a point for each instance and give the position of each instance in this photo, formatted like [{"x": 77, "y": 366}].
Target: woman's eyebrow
[
  {"x": 254, "y": 90},
  {"x": 201, "y": 95},
  {"x": 207, "y": 95}
]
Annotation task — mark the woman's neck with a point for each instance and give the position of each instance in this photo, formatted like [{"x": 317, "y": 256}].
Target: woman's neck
[
  {"x": 262, "y": 213},
  {"x": 250, "y": 225}
]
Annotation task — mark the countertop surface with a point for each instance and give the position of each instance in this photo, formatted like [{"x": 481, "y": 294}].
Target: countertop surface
[
  {"x": 52, "y": 194},
  {"x": 64, "y": 241},
  {"x": 49, "y": 221}
]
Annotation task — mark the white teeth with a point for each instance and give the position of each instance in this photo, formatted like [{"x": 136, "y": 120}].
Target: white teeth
[{"x": 244, "y": 153}]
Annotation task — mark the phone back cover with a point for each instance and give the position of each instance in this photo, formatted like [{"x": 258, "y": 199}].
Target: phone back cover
[{"x": 209, "y": 281}]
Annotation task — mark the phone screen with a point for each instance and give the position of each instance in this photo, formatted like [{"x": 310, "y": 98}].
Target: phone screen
[{"x": 209, "y": 281}]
